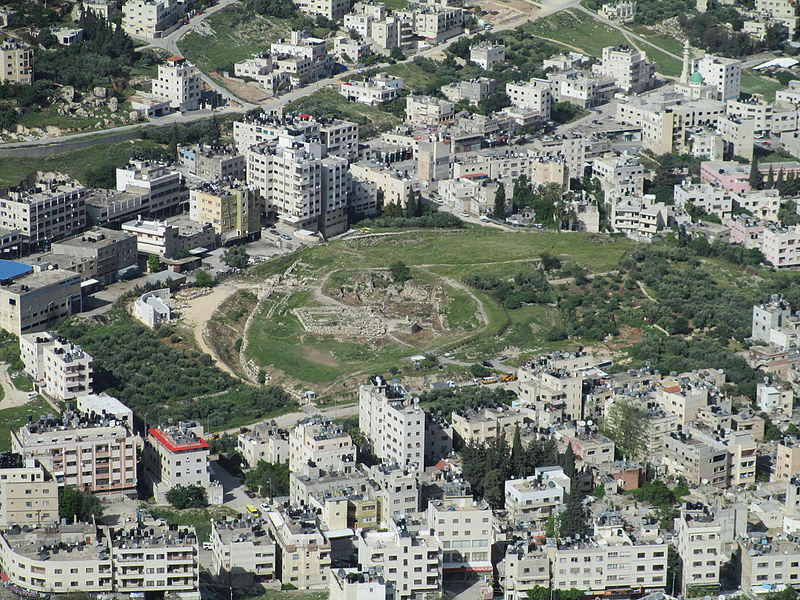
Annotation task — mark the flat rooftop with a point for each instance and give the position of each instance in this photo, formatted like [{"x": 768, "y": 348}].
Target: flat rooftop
[{"x": 34, "y": 281}]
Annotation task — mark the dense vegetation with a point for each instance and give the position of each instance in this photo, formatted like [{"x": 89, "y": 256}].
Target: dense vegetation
[
  {"x": 159, "y": 381},
  {"x": 268, "y": 479},
  {"x": 187, "y": 496},
  {"x": 444, "y": 402},
  {"x": 665, "y": 500},
  {"x": 73, "y": 503},
  {"x": 436, "y": 220},
  {"x": 526, "y": 287}
]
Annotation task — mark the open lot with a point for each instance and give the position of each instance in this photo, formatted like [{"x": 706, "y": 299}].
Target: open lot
[
  {"x": 753, "y": 83},
  {"x": 306, "y": 330}
]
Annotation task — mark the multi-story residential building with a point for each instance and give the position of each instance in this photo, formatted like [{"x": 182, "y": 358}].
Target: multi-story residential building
[
  {"x": 179, "y": 82},
  {"x": 704, "y": 196},
  {"x": 349, "y": 50},
  {"x": 787, "y": 460},
  {"x": 769, "y": 563},
  {"x": 699, "y": 544},
  {"x": 629, "y": 67},
  {"x": 377, "y": 90},
  {"x": 150, "y": 18},
  {"x": 105, "y": 9},
  {"x": 464, "y": 529},
  {"x": 699, "y": 458},
  {"x": 324, "y": 444},
  {"x": 591, "y": 446},
  {"x": 106, "y": 406},
  {"x": 582, "y": 88},
  {"x": 60, "y": 369},
  {"x": 742, "y": 450},
  {"x": 161, "y": 186},
  {"x": 725, "y": 73},
  {"x": 433, "y": 22},
  {"x": 487, "y": 55},
  {"x": 31, "y": 301},
  {"x": 768, "y": 316},
  {"x": 242, "y": 553},
  {"x": 178, "y": 456},
  {"x": 767, "y": 118},
  {"x": 411, "y": 558},
  {"x": 727, "y": 174},
  {"x": 302, "y": 59},
  {"x": 479, "y": 426},
  {"x": 781, "y": 245},
  {"x": 330, "y": 9},
  {"x": 610, "y": 559},
  {"x": 233, "y": 209},
  {"x": 301, "y": 184},
  {"x": 624, "y": 12},
  {"x": 392, "y": 422},
  {"x": 533, "y": 499},
  {"x": 391, "y": 186},
  {"x": 778, "y": 11},
  {"x": 145, "y": 557},
  {"x": 16, "y": 62},
  {"x": 774, "y": 396},
  {"x": 28, "y": 494},
  {"x": 524, "y": 566},
  {"x": 86, "y": 450},
  {"x": 474, "y": 90},
  {"x": 154, "y": 237},
  {"x": 668, "y": 118},
  {"x": 398, "y": 489},
  {"x": 101, "y": 252},
  {"x": 302, "y": 552},
  {"x": 213, "y": 162},
  {"x": 51, "y": 210},
  {"x": 619, "y": 176},
  {"x": 534, "y": 95},
  {"x": 353, "y": 584},
  {"x": 426, "y": 111},
  {"x": 264, "y": 441}
]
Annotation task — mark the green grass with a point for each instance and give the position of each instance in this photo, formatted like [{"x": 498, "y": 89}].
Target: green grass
[
  {"x": 413, "y": 75},
  {"x": 14, "y": 418},
  {"x": 758, "y": 84},
  {"x": 22, "y": 382},
  {"x": 13, "y": 170},
  {"x": 332, "y": 102},
  {"x": 576, "y": 29},
  {"x": 290, "y": 595},
  {"x": 396, "y": 4},
  {"x": 278, "y": 340},
  {"x": 665, "y": 64},
  {"x": 49, "y": 117},
  {"x": 199, "y": 517}
]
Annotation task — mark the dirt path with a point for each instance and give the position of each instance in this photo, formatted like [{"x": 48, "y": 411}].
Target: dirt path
[
  {"x": 12, "y": 396},
  {"x": 200, "y": 310},
  {"x": 645, "y": 292}
]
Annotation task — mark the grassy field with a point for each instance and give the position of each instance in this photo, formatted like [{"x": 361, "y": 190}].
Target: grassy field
[
  {"x": 278, "y": 341},
  {"x": 396, "y": 4},
  {"x": 49, "y": 117},
  {"x": 327, "y": 101},
  {"x": 13, "y": 170},
  {"x": 757, "y": 84},
  {"x": 22, "y": 382},
  {"x": 13, "y": 418},
  {"x": 665, "y": 64},
  {"x": 576, "y": 29}
]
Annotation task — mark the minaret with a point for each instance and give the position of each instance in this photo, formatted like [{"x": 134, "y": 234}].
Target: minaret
[{"x": 686, "y": 62}]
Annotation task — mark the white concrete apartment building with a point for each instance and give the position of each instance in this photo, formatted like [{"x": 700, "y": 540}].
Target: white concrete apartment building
[
  {"x": 161, "y": 185},
  {"x": 774, "y": 396},
  {"x": 50, "y": 210},
  {"x": 533, "y": 499},
  {"x": 131, "y": 560},
  {"x": 582, "y": 88},
  {"x": 487, "y": 55},
  {"x": 352, "y": 584},
  {"x": 324, "y": 444},
  {"x": 787, "y": 460},
  {"x": 624, "y": 12},
  {"x": 433, "y": 22},
  {"x": 242, "y": 553},
  {"x": 371, "y": 91},
  {"x": 28, "y": 494},
  {"x": 534, "y": 95},
  {"x": 301, "y": 184},
  {"x": 178, "y": 456},
  {"x": 524, "y": 566},
  {"x": 426, "y": 111},
  {"x": 33, "y": 301},
  {"x": 16, "y": 62},
  {"x": 710, "y": 199},
  {"x": 154, "y": 237},
  {"x": 725, "y": 73},
  {"x": 303, "y": 553},
  {"x": 778, "y": 11},
  {"x": 769, "y": 565},
  {"x": 84, "y": 450},
  {"x": 781, "y": 245},
  {"x": 699, "y": 544},
  {"x": 232, "y": 209},
  {"x": 609, "y": 559},
  {"x": 411, "y": 558},
  {"x": 391, "y": 186},
  {"x": 106, "y": 406},
  {"x": 302, "y": 58},
  {"x": 769, "y": 315},
  {"x": 464, "y": 529},
  {"x": 60, "y": 370},
  {"x": 480, "y": 426},
  {"x": 668, "y": 118},
  {"x": 475, "y": 90},
  {"x": 619, "y": 175},
  {"x": 330, "y": 9},
  {"x": 767, "y": 118},
  {"x": 393, "y": 423},
  {"x": 628, "y": 67},
  {"x": 103, "y": 252},
  {"x": 699, "y": 458},
  {"x": 150, "y": 18},
  {"x": 179, "y": 82},
  {"x": 264, "y": 441}
]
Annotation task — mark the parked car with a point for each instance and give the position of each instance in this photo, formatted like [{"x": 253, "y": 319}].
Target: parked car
[
  {"x": 285, "y": 237},
  {"x": 208, "y": 546},
  {"x": 265, "y": 506},
  {"x": 250, "y": 493},
  {"x": 465, "y": 214}
]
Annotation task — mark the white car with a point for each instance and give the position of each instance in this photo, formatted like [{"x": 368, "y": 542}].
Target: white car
[
  {"x": 207, "y": 546},
  {"x": 32, "y": 395},
  {"x": 465, "y": 214},
  {"x": 265, "y": 507}
]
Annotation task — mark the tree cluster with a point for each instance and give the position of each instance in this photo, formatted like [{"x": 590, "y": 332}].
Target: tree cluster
[
  {"x": 268, "y": 479},
  {"x": 444, "y": 402},
  {"x": 74, "y": 504},
  {"x": 187, "y": 496},
  {"x": 526, "y": 287},
  {"x": 236, "y": 257},
  {"x": 437, "y": 220}
]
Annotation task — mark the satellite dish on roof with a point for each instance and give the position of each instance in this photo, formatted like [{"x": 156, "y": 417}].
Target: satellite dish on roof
[{"x": 590, "y": 422}]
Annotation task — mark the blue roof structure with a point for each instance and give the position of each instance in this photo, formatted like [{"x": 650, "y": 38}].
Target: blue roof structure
[{"x": 11, "y": 268}]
